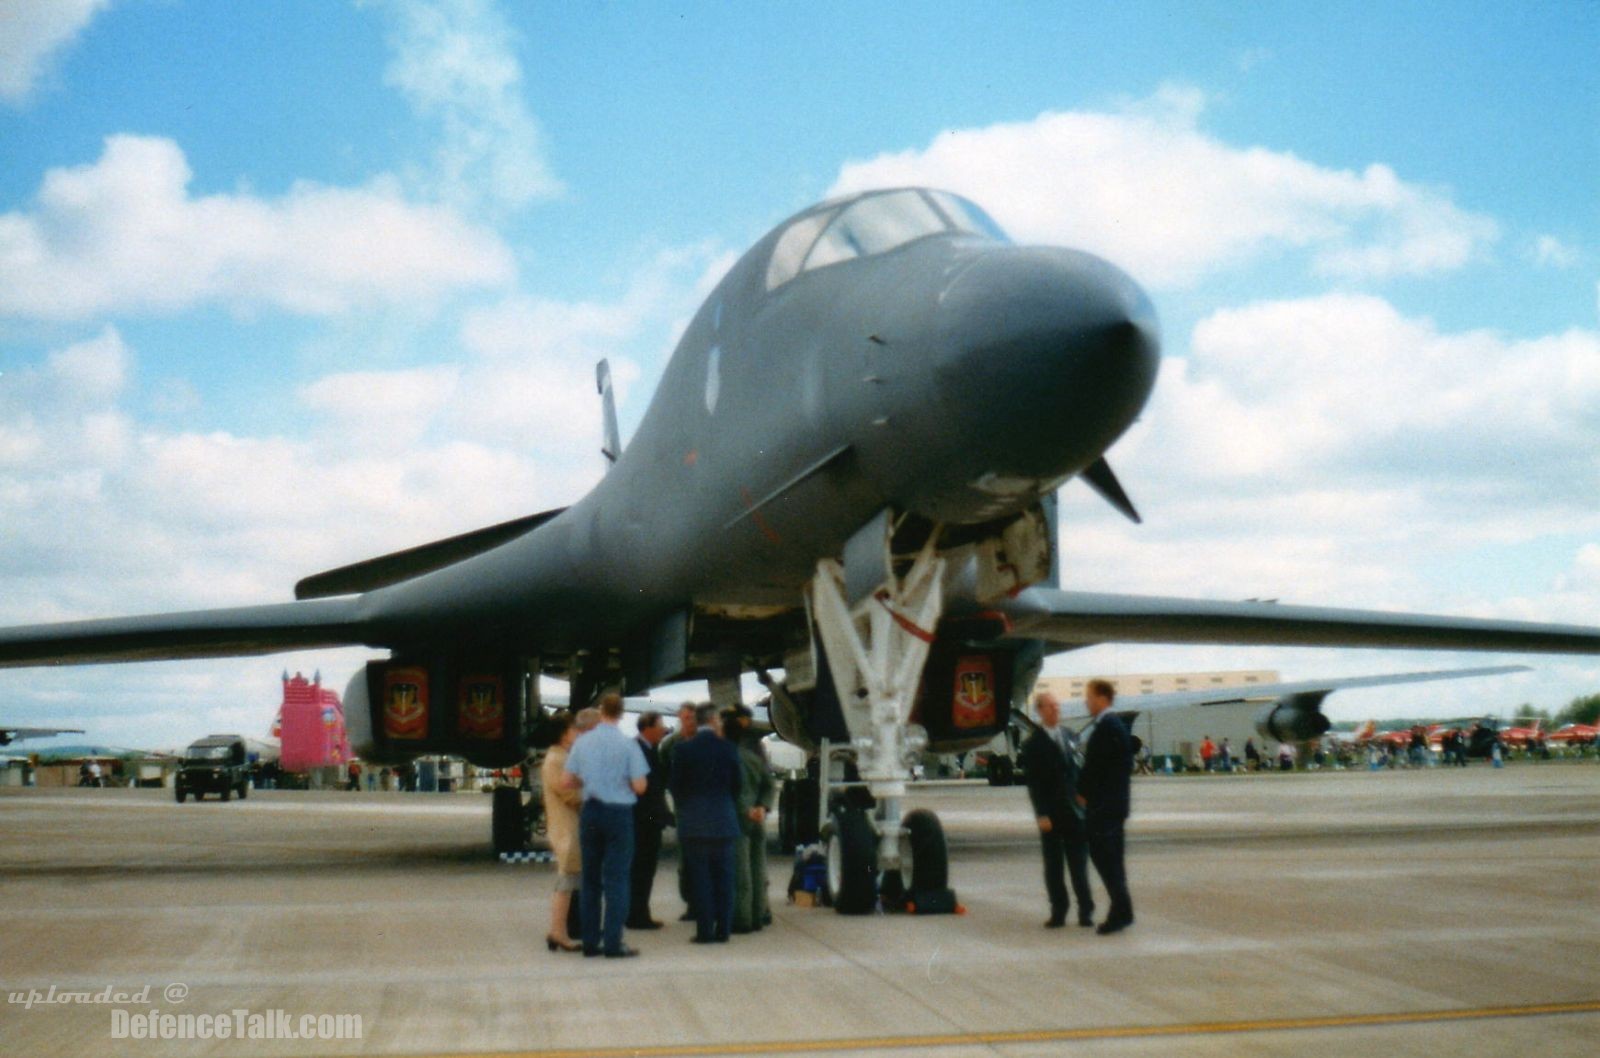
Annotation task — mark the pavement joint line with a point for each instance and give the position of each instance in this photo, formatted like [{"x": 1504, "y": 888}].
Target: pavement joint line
[{"x": 1025, "y": 1036}]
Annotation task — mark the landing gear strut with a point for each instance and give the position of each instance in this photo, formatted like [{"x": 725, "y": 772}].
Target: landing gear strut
[{"x": 876, "y": 640}]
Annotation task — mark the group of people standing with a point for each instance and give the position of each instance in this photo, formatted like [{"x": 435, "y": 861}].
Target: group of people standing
[
  {"x": 605, "y": 797},
  {"x": 606, "y": 804},
  {"x": 1079, "y": 787}
]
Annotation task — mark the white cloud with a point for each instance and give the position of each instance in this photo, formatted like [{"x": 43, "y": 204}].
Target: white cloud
[
  {"x": 1145, "y": 186},
  {"x": 103, "y": 516},
  {"x": 388, "y": 409},
  {"x": 1334, "y": 450},
  {"x": 125, "y": 235},
  {"x": 34, "y": 32},
  {"x": 92, "y": 369},
  {"x": 530, "y": 377},
  {"x": 454, "y": 61},
  {"x": 171, "y": 518},
  {"x": 1343, "y": 381},
  {"x": 64, "y": 412},
  {"x": 1552, "y": 252}
]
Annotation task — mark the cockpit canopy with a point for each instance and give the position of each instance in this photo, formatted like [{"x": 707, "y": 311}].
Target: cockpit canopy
[{"x": 873, "y": 224}]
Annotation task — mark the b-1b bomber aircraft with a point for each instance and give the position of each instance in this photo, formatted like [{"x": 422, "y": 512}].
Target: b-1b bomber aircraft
[{"x": 846, "y": 477}]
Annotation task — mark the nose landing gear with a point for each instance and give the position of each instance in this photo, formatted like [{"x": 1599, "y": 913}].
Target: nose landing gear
[{"x": 877, "y": 646}]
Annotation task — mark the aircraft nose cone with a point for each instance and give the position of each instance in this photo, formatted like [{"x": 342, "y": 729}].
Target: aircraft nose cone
[{"x": 1052, "y": 353}]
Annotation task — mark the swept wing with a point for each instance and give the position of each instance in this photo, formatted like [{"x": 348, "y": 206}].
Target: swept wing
[
  {"x": 1078, "y": 619},
  {"x": 9, "y": 735},
  {"x": 195, "y": 634}
]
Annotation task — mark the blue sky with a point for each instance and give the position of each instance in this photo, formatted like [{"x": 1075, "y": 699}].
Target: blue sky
[{"x": 285, "y": 285}]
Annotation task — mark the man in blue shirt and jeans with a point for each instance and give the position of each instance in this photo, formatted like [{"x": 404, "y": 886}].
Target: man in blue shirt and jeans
[{"x": 612, "y": 771}]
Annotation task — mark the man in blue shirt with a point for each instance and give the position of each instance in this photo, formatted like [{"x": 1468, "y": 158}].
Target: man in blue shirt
[{"x": 613, "y": 773}]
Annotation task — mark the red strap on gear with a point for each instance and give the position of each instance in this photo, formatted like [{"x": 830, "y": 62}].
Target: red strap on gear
[{"x": 903, "y": 621}]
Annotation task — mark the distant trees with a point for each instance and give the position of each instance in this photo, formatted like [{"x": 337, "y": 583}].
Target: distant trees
[{"x": 1584, "y": 710}]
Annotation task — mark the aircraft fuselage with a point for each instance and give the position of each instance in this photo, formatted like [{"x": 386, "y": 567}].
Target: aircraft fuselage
[{"x": 956, "y": 377}]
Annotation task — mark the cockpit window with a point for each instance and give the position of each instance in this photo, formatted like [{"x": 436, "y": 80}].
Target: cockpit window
[
  {"x": 876, "y": 224},
  {"x": 790, "y": 252},
  {"x": 872, "y": 225},
  {"x": 966, "y": 217}
]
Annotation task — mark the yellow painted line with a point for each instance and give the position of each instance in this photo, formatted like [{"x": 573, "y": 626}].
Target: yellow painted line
[{"x": 1115, "y": 1032}]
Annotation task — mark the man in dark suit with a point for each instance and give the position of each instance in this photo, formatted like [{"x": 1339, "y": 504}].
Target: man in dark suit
[
  {"x": 1103, "y": 794},
  {"x": 649, "y": 819},
  {"x": 1049, "y": 760},
  {"x": 705, "y": 783},
  {"x": 664, "y": 751}
]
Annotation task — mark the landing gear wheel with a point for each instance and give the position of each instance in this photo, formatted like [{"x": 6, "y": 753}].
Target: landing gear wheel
[
  {"x": 508, "y": 826},
  {"x": 1002, "y": 771},
  {"x": 797, "y": 814},
  {"x": 786, "y": 820},
  {"x": 925, "y": 862},
  {"x": 182, "y": 794},
  {"x": 852, "y": 863}
]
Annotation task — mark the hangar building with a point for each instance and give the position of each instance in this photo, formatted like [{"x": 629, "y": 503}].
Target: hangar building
[{"x": 1174, "y": 731}]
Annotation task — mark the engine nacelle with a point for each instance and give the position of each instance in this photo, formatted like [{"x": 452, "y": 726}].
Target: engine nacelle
[
  {"x": 1294, "y": 718},
  {"x": 405, "y": 708},
  {"x": 966, "y": 695}
]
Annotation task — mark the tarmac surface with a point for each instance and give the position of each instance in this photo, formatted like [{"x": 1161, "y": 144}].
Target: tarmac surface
[{"x": 1406, "y": 913}]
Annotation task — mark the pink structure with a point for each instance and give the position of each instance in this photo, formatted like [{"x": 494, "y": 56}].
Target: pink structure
[{"x": 310, "y": 726}]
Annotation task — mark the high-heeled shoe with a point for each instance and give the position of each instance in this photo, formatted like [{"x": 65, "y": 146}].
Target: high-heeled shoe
[{"x": 553, "y": 944}]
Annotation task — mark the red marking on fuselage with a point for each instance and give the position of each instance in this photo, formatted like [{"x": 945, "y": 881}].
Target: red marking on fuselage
[{"x": 756, "y": 517}]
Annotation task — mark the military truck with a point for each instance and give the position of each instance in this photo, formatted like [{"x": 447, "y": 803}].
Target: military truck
[{"x": 214, "y": 764}]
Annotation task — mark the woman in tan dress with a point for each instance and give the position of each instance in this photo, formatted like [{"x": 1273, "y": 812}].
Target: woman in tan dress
[{"x": 561, "y": 804}]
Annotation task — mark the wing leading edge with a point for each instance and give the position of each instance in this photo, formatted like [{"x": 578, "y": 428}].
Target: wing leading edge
[
  {"x": 9, "y": 735},
  {"x": 393, "y": 568},
  {"x": 196, "y": 634},
  {"x": 1077, "y": 619}
]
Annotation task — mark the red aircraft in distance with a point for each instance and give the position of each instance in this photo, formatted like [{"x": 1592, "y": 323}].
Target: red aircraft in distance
[
  {"x": 1574, "y": 733},
  {"x": 1521, "y": 737},
  {"x": 1359, "y": 737},
  {"x": 1401, "y": 738}
]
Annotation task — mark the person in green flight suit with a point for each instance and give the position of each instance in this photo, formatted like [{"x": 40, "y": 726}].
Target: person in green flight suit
[{"x": 757, "y": 794}]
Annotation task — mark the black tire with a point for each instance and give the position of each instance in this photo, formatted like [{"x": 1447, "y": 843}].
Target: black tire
[
  {"x": 182, "y": 794},
  {"x": 244, "y": 790},
  {"x": 930, "y": 855},
  {"x": 852, "y": 863},
  {"x": 786, "y": 820},
  {"x": 226, "y": 794},
  {"x": 798, "y": 811},
  {"x": 1002, "y": 771},
  {"x": 508, "y": 828}
]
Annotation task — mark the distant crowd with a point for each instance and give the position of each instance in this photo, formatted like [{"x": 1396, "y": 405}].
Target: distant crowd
[{"x": 1413, "y": 749}]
